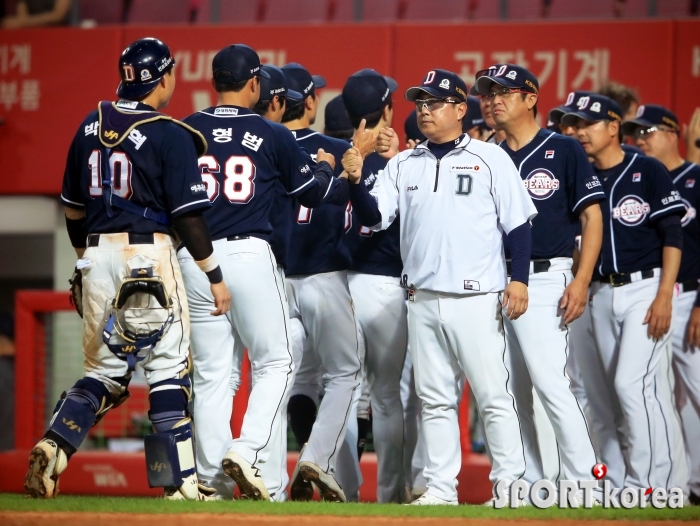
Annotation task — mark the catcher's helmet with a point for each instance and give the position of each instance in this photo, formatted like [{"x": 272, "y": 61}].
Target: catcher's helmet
[{"x": 141, "y": 66}]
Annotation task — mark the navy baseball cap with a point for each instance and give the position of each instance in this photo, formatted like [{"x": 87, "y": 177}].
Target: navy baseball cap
[
  {"x": 473, "y": 116},
  {"x": 336, "y": 116},
  {"x": 506, "y": 75},
  {"x": 592, "y": 107},
  {"x": 141, "y": 66},
  {"x": 555, "y": 114},
  {"x": 649, "y": 115},
  {"x": 236, "y": 63},
  {"x": 440, "y": 83},
  {"x": 410, "y": 127},
  {"x": 366, "y": 91},
  {"x": 300, "y": 80},
  {"x": 276, "y": 84}
]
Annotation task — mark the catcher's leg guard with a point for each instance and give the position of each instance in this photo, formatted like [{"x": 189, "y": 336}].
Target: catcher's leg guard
[
  {"x": 170, "y": 450},
  {"x": 73, "y": 417}
]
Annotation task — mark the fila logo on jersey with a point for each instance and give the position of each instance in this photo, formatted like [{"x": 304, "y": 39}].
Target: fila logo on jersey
[
  {"x": 636, "y": 177},
  {"x": 411, "y": 188},
  {"x": 690, "y": 213},
  {"x": 631, "y": 210},
  {"x": 541, "y": 184},
  {"x": 690, "y": 183},
  {"x": 549, "y": 154}
]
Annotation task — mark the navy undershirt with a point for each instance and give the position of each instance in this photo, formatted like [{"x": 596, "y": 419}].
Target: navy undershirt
[{"x": 440, "y": 150}]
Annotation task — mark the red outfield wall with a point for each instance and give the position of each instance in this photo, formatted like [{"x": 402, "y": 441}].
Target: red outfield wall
[{"x": 51, "y": 78}]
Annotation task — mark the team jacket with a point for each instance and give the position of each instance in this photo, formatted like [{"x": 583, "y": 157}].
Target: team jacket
[
  {"x": 453, "y": 214},
  {"x": 638, "y": 192},
  {"x": 686, "y": 179}
]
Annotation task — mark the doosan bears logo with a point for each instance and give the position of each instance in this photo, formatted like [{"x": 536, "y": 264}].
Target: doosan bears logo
[
  {"x": 631, "y": 210},
  {"x": 541, "y": 184}
]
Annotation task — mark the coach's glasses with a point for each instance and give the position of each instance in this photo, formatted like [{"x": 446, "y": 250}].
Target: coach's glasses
[
  {"x": 503, "y": 93},
  {"x": 433, "y": 104},
  {"x": 644, "y": 133}
]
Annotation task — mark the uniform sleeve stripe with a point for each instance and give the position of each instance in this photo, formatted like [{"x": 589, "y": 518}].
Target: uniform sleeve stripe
[
  {"x": 71, "y": 202},
  {"x": 667, "y": 209},
  {"x": 302, "y": 186},
  {"x": 601, "y": 195},
  {"x": 330, "y": 184},
  {"x": 189, "y": 204}
]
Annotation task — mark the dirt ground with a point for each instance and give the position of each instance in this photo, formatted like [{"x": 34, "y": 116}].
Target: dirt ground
[{"x": 210, "y": 519}]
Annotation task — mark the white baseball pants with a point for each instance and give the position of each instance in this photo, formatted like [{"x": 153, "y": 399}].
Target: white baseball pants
[
  {"x": 259, "y": 320},
  {"x": 324, "y": 324},
  {"x": 630, "y": 360},
  {"x": 380, "y": 307},
  {"x": 107, "y": 265},
  {"x": 686, "y": 366},
  {"x": 450, "y": 335},
  {"x": 538, "y": 347}
]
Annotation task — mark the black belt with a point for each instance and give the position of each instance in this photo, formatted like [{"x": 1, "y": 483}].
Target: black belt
[
  {"x": 624, "y": 278},
  {"x": 237, "y": 238},
  {"x": 688, "y": 286},
  {"x": 134, "y": 239},
  {"x": 538, "y": 265}
]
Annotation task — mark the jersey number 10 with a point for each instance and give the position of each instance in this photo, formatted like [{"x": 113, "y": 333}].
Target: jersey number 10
[
  {"x": 239, "y": 185},
  {"x": 119, "y": 165}
]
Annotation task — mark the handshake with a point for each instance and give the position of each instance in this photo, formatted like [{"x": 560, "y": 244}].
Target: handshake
[{"x": 386, "y": 144}]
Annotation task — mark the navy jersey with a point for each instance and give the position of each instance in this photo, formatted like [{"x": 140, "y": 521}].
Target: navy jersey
[
  {"x": 638, "y": 192},
  {"x": 561, "y": 183},
  {"x": 155, "y": 166},
  {"x": 686, "y": 179},
  {"x": 247, "y": 156},
  {"x": 376, "y": 253},
  {"x": 317, "y": 242}
]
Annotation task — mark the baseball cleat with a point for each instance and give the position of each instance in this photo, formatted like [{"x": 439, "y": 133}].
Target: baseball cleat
[
  {"x": 46, "y": 462},
  {"x": 191, "y": 489},
  {"x": 299, "y": 489},
  {"x": 245, "y": 475},
  {"x": 327, "y": 486},
  {"x": 431, "y": 500}
]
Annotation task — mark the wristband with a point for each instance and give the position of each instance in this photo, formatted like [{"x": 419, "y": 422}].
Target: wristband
[
  {"x": 215, "y": 276},
  {"x": 208, "y": 264}
]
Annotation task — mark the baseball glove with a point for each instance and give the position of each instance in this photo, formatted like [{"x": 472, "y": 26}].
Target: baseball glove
[{"x": 76, "y": 290}]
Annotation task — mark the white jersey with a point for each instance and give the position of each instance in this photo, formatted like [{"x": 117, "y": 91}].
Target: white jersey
[{"x": 453, "y": 213}]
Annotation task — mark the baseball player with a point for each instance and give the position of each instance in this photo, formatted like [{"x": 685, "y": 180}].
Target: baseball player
[
  {"x": 455, "y": 198},
  {"x": 114, "y": 191},
  {"x": 248, "y": 155},
  {"x": 336, "y": 122},
  {"x": 559, "y": 179},
  {"x": 632, "y": 301},
  {"x": 323, "y": 326},
  {"x": 374, "y": 277},
  {"x": 657, "y": 133},
  {"x": 584, "y": 366}
]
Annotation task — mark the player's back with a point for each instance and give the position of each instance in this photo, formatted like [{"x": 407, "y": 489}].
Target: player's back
[
  {"x": 246, "y": 156},
  {"x": 149, "y": 168},
  {"x": 317, "y": 242}
]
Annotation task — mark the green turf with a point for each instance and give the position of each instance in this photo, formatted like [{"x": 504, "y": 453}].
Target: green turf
[{"x": 152, "y": 505}]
